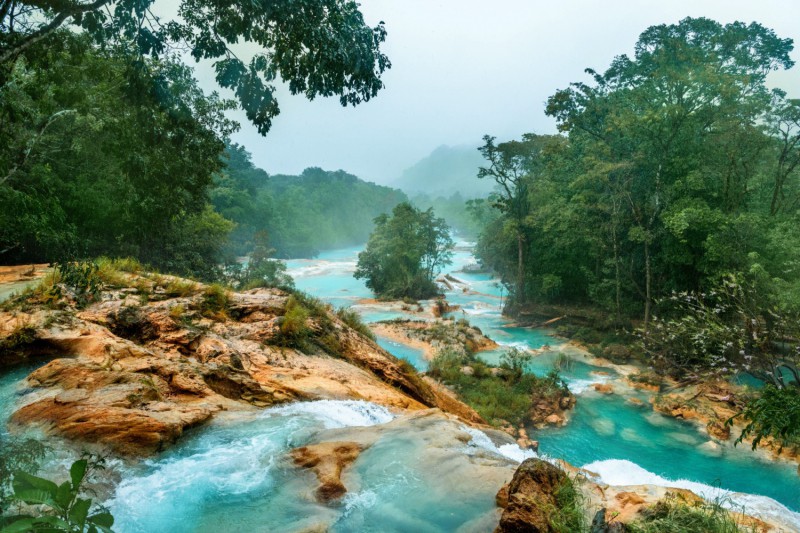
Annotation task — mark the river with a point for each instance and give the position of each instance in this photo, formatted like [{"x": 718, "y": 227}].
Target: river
[
  {"x": 232, "y": 475},
  {"x": 623, "y": 442}
]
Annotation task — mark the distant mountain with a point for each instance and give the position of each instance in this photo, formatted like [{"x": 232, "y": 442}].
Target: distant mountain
[{"x": 447, "y": 170}]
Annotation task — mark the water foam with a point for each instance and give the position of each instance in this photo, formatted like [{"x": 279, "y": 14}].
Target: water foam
[
  {"x": 623, "y": 472},
  {"x": 228, "y": 460},
  {"x": 337, "y": 413},
  {"x": 579, "y": 386},
  {"x": 322, "y": 268},
  {"x": 481, "y": 441}
]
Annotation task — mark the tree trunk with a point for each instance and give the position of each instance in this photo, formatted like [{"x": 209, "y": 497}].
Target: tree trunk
[
  {"x": 520, "y": 270},
  {"x": 617, "y": 280},
  {"x": 647, "y": 290}
]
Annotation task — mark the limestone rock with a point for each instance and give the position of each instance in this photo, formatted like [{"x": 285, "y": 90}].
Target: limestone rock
[
  {"x": 328, "y": 460},
  {"x": 603, "y": 388},
  {"x": 530, "y": 494}
]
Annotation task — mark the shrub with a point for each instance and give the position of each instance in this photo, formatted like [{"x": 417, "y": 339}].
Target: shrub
[
  {"x": 504, "y": 396},
  {"x": 515, "y": 361},
  {"x": 176, "y": 312},
  {"x": 774, "y": 413},
  {"x": 110, "y": 274},
  {"x": 675, "y": 515},
  {"x": 293, "y": 328},
  {"x": 20, "y": 337},
  {"x": 81, "y": 278},
  {"x": 128, "y": 264},
  {"x": 569, "y": 515},
  {"x": 179, "y": 287},
  {"x": 215, "y": 301},
  {"x": 563, "y": 363},
  {"x": 353, "y": 319}
]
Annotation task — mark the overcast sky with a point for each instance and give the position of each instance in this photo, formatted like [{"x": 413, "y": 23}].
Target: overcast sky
[{"x": 464, "y": 68}]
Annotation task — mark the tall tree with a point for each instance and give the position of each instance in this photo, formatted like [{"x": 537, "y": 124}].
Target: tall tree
[
  {"x": 658, "y": 112},
  {"x": 513, "y": 165},
  {"x": 405, "y": 252}
]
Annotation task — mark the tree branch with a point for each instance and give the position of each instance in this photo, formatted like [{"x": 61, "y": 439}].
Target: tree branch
[{"x": 48, "y": 28}]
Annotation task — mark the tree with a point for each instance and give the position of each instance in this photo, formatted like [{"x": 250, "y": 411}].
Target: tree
[
  {"x": 97, "y": 159},
  {"x": 689, "y": 91},
  {"x": 318, "y": 47},
  {"x": 405, "y": 252},
  {"x": 513, "y": 165}
]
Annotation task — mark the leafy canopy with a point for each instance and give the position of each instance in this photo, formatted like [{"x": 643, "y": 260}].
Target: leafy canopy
[
  {"x": 405, "y": 252},
  {"x": 317, "y": 47}
]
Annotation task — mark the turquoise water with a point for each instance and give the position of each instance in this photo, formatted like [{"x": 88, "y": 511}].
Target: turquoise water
[
  {"x": 605, "y": 429},
  {"x": 12, "y": 391},
  {"x": 412, "y": 355},
  {"x": 232, "y": 475}
]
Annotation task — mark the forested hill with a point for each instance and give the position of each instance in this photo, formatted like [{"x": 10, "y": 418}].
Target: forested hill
[
  {"x": 448, "y": 169},
  {"x": 299, "y": 215}
]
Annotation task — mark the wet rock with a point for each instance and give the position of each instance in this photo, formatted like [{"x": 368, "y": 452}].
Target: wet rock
[
  {"x": 603, "y": 388},
  {"x": 617, "y": 353},
  {"x": 531, "y": 493},
  {"x": 719, "y": 430},
  {"x": 328, "y": 460},
  {"x": 126, "y": 430},
  {"x": 554, "y": 420}
]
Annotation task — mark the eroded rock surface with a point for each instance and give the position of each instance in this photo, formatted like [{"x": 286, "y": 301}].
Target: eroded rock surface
[
  {"x": 137, "y": 368},
  {"x": 328, "y": 460},
  {"x": 530, "y": 498}
]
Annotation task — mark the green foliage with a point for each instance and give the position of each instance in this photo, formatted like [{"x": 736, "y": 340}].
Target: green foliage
[
  {"x": 81, "y": 279},
  {"x": 318, "y": 47},
  {"x": 730, "y": 329},
  {"x": 497, "y": 396},
  {"x": 353, "y": 319},
  {"x": 301, "y": 214},
  {"x": 673, "y": 171},
  {"x": 99, "y": 157},
  {"x": 59, "y": 508},
  {"x": 261, "y": 270},
  {"x": 675, "y": 515},
  {"x": 215, "y": 301},
  {"x": 569, "y": 515},
  {"x": 21, "y": 336},
  {"x": 293, "y": 326},
  {"x": 775, "y": 414},
  {"x": 404, "y": 253},
  {"x": 17, "y": 454},
  {"x": 515, "y": 361},
  {"x": 179, "y": 287}
]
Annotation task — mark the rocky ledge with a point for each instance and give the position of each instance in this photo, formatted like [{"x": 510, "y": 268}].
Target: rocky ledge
[
  {"x": 433, "y": 336},
  {"x": 149, "y": 359},
  {"x": 711, "y": 405}
]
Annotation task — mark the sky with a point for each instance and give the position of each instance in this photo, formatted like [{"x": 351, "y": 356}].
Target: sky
[{"x": 465, "y": 68}]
